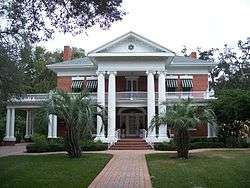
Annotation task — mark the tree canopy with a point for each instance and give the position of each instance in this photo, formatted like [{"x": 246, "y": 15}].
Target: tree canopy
[{"x": 38, "y": 19}]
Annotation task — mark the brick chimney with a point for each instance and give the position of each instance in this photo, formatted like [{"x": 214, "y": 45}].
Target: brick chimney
[
  {"x": 193, "y": 55},
  {"x": 67, "y": 53}
]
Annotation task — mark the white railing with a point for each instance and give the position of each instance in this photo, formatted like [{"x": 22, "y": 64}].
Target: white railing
[
  {"x": 143, "y": 133},
  {"x": 131, "y": 95},
  {"x": 120, "y": 96},
  {"x": 118, "y": 134},
  {"x": 41, "y": 97},
  {"x": 187, "y": 94}
]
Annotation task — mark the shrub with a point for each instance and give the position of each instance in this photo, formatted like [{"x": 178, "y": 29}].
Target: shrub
[
  {"x": 90, "y": 145},
  {"x": 165, "y": 146}
]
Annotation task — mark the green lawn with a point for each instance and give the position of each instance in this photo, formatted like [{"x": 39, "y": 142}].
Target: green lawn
[
  {"x": 214, "y": 169},
  {"x": 50, "y": 170}
]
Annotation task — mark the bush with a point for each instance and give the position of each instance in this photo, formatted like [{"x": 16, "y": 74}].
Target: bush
[
  {"x": 165, "y": 146},
  {"x": 42, "y": 144},
  {"x": 39, "y": 148},
  {"x": 90, "y": 145},
  {"x": 199, "y": 143}
]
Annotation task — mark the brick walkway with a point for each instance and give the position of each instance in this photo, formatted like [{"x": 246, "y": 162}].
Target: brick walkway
[
  {"x": 127, "y": 169},
  {"x": 13, "y": 150}
]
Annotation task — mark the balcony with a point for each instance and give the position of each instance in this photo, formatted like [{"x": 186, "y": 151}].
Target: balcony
[{"x": 127, "y": 96}]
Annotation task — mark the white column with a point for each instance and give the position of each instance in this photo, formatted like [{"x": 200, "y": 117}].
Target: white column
[
  {"x": 12, "y": 125},
  {"x": 151, "y": 106},
  {"x": 7, "y": 132},
  {"x": 54, "y": 126},
  {"x": 27, "y": 133},
  {"x": 161, "y": 107},
  {"x": 50, "y": 124},
  {"x": 101, "y": 101},
  {"x": 111, "y": 107}
]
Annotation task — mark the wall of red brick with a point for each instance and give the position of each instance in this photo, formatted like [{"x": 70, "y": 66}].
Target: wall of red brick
[
  {"x": 64, "y": 83},
  {"x": 200, "y": 82},
  {"x": 142, "y": 83},
  {"x": 199, "y": 131},
  {"x": 120, "y": 83}
]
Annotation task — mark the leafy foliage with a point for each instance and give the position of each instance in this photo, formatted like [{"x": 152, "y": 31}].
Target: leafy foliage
[
  {"x": 232, "y": 111},
  {"x": 38, "y": 19}
]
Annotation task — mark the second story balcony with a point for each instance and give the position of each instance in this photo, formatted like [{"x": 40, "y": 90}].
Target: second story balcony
[{"x": 126, "y": 96}]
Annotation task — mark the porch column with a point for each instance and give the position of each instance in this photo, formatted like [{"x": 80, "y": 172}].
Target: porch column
[
  {"x": 101, "y": 101},
  {"x": 151, "y": 105},
  {"x": 111, "y": 107},
  {"x": 54, "y": 126},
  {"x": 8, "y": 120},
  {"x": 50, "y": 126},
  {"x": 161, "y": 107},
  {"x": 28, "y": 121}
]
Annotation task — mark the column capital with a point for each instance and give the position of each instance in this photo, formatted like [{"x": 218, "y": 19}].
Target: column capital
[
  {"x": 162, "y": 72},
  {"x": 150, "y": 72},
  {"x": 111, "y": 72},
  {"x": 100, "y": 72}
]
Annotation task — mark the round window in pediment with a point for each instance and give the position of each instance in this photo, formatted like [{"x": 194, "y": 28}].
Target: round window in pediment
[{"x": 131, "y": 47}]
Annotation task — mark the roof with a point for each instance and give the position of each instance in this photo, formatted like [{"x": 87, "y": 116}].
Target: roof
[
  {"x": 184, "y": 59},
  {"x": 83, "y": 60}
]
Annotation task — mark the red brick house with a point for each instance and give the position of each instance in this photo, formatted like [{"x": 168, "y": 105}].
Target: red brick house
[{"x": 131, "y": 76}]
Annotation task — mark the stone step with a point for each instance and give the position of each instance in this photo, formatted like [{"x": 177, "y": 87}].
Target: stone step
[{"x": 130, "y": 144}]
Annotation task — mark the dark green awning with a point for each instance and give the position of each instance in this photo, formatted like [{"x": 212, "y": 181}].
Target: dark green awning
[
  {"x": 187, "y": 83},
  {"x": 173, "y": 83}
]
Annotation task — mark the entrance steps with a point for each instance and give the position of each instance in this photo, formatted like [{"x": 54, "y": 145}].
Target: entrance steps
[{"x": 130, "y": 144}]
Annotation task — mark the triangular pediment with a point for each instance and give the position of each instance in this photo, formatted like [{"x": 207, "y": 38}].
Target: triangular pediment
[{"x": 131, "y": 43}]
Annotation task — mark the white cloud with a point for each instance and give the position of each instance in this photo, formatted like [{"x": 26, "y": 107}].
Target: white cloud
[{"x": 206, "y": 23}]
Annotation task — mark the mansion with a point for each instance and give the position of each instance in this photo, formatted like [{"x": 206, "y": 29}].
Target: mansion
[{"x": 131, "y": 76}]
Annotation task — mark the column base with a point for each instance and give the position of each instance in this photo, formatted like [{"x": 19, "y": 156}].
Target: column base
[
  {"x": 27, "y": 136},
  {"x": 100, "y": 138},
  {"x": 9, "y": 141},
  {"x": 163, "y": 139},
  {"x": 151, "y": 139},
  {"x": 111, "y": 140}
]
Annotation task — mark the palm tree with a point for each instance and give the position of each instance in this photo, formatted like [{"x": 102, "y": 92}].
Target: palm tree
[
  {"x": 78, "y": 112},
  {"x": 183, "y": 116}
]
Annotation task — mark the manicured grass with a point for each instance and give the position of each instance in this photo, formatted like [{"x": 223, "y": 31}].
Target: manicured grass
[
  {"x": 230, "y": 169},
  {"x": 50, "y": 170}
]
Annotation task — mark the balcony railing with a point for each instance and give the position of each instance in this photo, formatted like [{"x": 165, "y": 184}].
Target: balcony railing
[{"x": 132, "y": 96}]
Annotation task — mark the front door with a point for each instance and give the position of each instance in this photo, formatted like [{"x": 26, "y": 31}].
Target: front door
[{"x": 132, "y": 126}]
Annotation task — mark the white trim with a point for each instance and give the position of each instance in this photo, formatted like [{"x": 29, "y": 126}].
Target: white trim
[
  {"x": 171, "y": 77},
  {"x": 130, "y": 34},
  {"x": 186, "y": 77},
  {"x": 77, "y": 78},
  {"x": 92, "y": 78},
  {"x": 131, "y": 54}
]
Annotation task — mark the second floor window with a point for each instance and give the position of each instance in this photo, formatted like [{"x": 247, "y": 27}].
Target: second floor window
[
  {"x": 171, "y": 85},
  {"x": 132, "y": 84},
  {"x": 187, "y": 84}
]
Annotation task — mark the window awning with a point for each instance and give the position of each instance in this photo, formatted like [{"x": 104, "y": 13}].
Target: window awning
[
  {"x": 92, "y": 84},
  {"x": 187, "y": 83},
  {"x": 76, "y": 84},
  {"x": 173, "y": 83}
]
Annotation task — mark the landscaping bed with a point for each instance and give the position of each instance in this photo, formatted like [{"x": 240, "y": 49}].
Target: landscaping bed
[
  {"x": 207, "y": 169},
  {"x": 51, "y": 170}
]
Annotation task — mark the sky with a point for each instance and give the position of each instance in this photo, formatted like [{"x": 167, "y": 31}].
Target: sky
[{"x": 171, "y": 23}]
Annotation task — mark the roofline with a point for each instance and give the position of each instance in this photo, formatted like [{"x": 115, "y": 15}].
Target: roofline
[{"x": 126, "y": 35}]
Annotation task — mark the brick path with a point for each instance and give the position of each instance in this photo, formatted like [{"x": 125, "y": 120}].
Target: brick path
[
  {"x": 127, "y": 169},
  {"x": 12, "y": 150}
]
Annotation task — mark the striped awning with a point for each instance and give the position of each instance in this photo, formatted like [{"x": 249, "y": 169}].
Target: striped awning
[
  {"x": 187, "y": 83},
  {"x": 172, "y": 83},
  {"x": 76, "y": 84},
  {"x": 92, "y": 84}
]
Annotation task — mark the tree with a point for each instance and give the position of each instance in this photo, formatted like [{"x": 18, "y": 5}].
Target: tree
[
  {"x": 37, "y": 19},
  {"x": 78, "y": 112},
  {"x": 183, "y": 116},
  {"x": 232, "y": 110}
]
